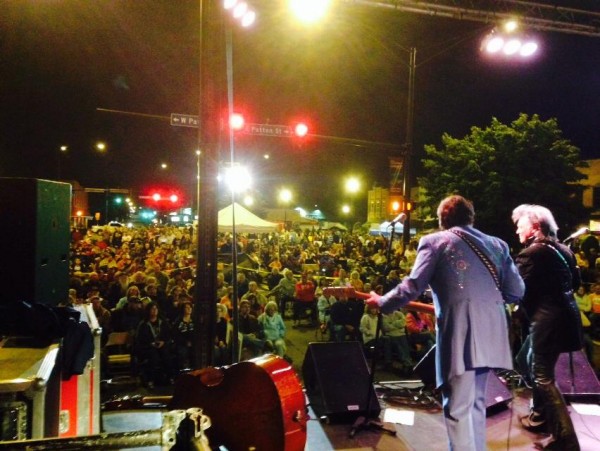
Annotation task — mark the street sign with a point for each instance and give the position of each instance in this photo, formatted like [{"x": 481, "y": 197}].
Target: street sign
[
  {"x": 283, "y": 131},
  {"x": 184, "y": 120}
]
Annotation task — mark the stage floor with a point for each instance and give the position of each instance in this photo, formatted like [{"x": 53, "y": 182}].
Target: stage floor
[{"x": 428, "y": 432}]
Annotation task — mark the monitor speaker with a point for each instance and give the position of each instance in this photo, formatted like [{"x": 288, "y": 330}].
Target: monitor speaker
[
  {"x": 337, "y": 381},
  {"x": 575, "y": 377},
  {"x": 34, "y": 224}
]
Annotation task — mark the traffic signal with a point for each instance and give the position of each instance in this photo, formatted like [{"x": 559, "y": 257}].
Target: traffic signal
[
  {"x": 236, "y": 122},
  {"x": 409, "y": 206},
  {"x": 300, "y": 129}
]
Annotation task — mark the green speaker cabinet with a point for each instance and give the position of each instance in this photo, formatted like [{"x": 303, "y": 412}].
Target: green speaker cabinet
[{"x": 34, "y": 240}]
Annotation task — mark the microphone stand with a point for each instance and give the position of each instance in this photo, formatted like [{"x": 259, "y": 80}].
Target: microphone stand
[{"x": 364, "y": 422}]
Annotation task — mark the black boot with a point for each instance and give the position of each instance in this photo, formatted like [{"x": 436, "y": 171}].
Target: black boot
[{"x": 559, "y": 422}]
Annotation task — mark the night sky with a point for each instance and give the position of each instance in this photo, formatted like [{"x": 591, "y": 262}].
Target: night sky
[{"x": 61, "y": 60}]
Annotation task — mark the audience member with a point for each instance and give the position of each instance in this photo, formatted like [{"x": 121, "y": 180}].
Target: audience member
[
  {"x": 222, "y": 349},
  {"x": 394, "y": 327},
  {"x": 251, "y": 330},
  {"x": 183, "y": 334},
  {"x": 274, "y": 329},
  {"x": 152, "y": 347},
  {"x": 369, "y": 328}
]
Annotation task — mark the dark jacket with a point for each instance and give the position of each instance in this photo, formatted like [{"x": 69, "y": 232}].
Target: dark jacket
[{"x": 555, "y": 322}]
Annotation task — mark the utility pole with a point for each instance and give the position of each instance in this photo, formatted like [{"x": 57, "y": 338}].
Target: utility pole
[
  {"x": 212, "y": 99},
  {"x": 406, "y": 182}
]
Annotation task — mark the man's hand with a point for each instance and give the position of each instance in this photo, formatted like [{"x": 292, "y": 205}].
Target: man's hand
[{"x": 373, "y": 300}]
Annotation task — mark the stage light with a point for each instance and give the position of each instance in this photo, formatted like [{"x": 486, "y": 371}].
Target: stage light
[
  {"x": 494, "y": 45},
  {"x": 512, "y": 46},
  {"x": 528, "y": 49}
]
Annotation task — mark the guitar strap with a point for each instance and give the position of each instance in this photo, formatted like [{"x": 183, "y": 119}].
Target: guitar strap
[
  {"x": 482, "y": 256},
  {"x": 562, "y": 259}
]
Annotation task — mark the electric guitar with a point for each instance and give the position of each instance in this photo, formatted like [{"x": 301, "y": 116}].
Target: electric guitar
[{"x": 352, "y": 293}]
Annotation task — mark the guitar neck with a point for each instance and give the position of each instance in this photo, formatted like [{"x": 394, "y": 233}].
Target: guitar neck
[{"x": 352, "y": 293}]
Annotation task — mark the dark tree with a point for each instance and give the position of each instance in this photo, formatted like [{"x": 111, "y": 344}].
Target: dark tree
[{"x": 502, "y": 166}]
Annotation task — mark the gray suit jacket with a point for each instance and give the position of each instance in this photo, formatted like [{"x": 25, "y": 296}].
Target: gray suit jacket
[{"x": 472, "y": 329}]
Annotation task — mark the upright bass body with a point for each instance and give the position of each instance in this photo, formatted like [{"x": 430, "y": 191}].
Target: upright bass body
[{"x": 257, "y": 403}]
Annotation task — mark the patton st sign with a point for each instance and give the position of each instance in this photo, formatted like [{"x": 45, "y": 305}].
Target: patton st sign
[{"x": 283, "y": 131}]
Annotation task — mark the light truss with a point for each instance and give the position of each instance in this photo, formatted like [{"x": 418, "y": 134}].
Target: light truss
[{"x": 535, "y": 15}]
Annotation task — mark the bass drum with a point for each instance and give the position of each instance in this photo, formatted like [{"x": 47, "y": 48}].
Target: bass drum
[{"x": 253, "y": 404}]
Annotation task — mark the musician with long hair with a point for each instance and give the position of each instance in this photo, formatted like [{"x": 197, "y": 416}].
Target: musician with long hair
[{"x": 550, "y": 273}]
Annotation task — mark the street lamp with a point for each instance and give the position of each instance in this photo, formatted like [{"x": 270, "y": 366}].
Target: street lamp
[
  {"x": 237, "y": 178},
  {"x": 352, "y": 186},
  {"x": 285, "y": 196},
  {"x": 309, "y": 11},
  {"x": 63, "y": 150}
]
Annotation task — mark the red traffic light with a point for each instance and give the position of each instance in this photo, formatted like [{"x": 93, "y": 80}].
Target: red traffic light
[
  {"x": 301, "y": 129},
  {"x": 236, "y": 122}
]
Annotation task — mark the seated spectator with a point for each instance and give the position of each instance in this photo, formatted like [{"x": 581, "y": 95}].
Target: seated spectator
[
  {"x": 171, "y": 307},
  {"x": 126, "y": 319},
  {"x": 394, "y": 327},
  {"x": 227, "y": 301},
  {"x": 594, "y": 297},
  {"x": 117, "y": 289},
  {"x": 368, "y": 329},
  {"x": 274, "y": 329},
  {"x": 152, "y": 348},
  {"x": 341, "y": 279},
  {"x": 223, "y": 331},
  {"x": 304, "y": 298},
  {"x": 139, "y": 280},
  {"x": 183, "y": 334},
  {"x": 273, "y": 278},
  {"x": 420, "y": 330},
  {"x": 356, "y": 282},
  {"x": 253, "y": 290},
  {"x": 275, "y": 263},
  {"x": 324, "y": 304},
  {"x": 285, "y": 290},
  {"x": 342, "y": 320},
  {"x": 255, "y": 308},
  {"x": 102, "y": 315},
  {"x": 251, "y": 330},
  {"x": 242, "y": 284},
  {"x": 132, "y": 292}
]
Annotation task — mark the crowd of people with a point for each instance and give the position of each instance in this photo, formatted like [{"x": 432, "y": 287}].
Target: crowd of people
[{"x": 141, "y": 281}]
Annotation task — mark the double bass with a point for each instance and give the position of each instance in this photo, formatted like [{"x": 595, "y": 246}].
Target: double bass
[{"x": 257, "y": 404}]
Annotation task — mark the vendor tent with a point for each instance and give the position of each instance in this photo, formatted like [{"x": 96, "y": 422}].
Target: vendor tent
[{"x": 245, "y": 221}]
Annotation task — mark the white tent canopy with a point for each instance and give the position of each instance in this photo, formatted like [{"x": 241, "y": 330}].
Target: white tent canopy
[
  {"x": 385, "y": 228},
  {"x": 245, "y": 221}
]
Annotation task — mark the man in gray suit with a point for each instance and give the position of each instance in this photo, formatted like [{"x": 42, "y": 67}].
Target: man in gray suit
[{"x": 471, "y": 275}]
